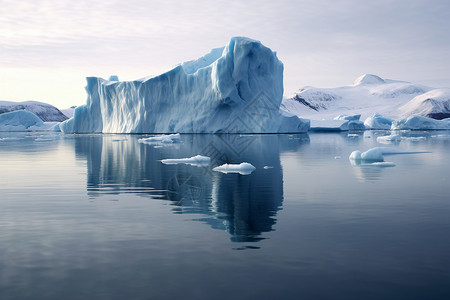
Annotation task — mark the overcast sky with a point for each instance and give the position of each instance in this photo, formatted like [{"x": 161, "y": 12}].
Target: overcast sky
[{"x": 47, "y": 48}]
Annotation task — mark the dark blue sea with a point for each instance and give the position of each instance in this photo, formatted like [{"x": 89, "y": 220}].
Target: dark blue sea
[{"x": 101, "y": 217}]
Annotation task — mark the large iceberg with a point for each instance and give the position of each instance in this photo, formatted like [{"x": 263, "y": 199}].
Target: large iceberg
[{"x": 234, "y": 89}]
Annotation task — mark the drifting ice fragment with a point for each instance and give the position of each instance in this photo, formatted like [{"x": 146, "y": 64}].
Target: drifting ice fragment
[
  {"x": 242, "y": 168},
  {"x": 161, "y": 139},
  {"x": 348, "y": 118},
  {"x": 198, "y": 161},
  {"x": 388, "y": 139}
]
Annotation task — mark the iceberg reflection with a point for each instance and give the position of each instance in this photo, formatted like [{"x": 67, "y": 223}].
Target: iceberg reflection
[{"x": 243, "y": 205}]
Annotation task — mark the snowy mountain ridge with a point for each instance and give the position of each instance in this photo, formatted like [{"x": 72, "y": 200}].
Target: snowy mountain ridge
[
  {"x": 46, "y": 112},
  {"x": 370, "y": 94}
]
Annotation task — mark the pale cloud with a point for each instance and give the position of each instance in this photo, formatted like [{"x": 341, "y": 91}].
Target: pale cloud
[{"x": 320, "y": 42}]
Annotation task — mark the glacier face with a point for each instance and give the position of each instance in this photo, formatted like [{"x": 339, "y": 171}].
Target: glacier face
[{"x": 235, "y": 89}]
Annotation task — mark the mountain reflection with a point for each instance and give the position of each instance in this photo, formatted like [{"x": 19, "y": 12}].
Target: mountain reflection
[{"x": 245, "y": 206}]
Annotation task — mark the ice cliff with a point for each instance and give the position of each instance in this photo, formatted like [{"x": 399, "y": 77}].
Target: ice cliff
[{"x": 234, "y": 89}]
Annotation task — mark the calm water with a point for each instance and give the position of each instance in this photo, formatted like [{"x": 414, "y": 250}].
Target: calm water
[{"x": 100, "y": 217}]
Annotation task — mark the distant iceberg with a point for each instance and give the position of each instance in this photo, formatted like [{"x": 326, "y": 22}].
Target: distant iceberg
[
  {"x": 234, "y": 89},
  {"x": 45, "y": 112},
  {"x": 420, "y": 123},
  {"x": 23, "y": 120}
]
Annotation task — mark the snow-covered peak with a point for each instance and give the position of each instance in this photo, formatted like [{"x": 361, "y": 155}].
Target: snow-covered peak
[
  {"x": 369, "y": 95},
  {"x": 433, "y": 104},
  {"x": 368, "y": 79}
]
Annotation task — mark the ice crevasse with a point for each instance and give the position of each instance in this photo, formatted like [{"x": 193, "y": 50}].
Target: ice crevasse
[{"x": 234, "y": 89}]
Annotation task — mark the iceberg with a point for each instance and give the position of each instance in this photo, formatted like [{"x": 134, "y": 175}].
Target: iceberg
[
  {"x": 234, "y": 89},
  {"x": 161, "y": 139},
  {"x": 378, "y": 122},
  {"x": 388, "y": 139},
  {"x": 23, "y": 120},
  {"x": 46, "y": 112},
  {"x": 242, "y": 168},
  {"x": 336, "y": 125},
  {"x": 349, "y": 118},
  {"x": 372, "y": 155},
  {"x": 420, "y": 123},
  {"x": 198, "y": 161}
]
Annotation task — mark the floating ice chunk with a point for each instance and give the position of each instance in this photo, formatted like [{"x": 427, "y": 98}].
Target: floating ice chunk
[
  {"x": 374, "y": 154},
  {"x": 327, "y": 125},
  {"x": 242, "y": 168},
  {"x": 420, "y": 123},
  {"x": 383, "y": 164},
  {"x": 198, "y": 161},
  {"x": 353, "y": 125},
  {"x": 388, "y": 139},
  {"x": 355, "y": 155},
  {"x": 348, "y": 118},
  {"x": 336, "y": 125},
  {"x": 378, "y": 122},
  {"x": 162, "y": 139}
]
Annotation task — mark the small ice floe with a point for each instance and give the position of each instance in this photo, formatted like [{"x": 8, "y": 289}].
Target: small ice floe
[
  {"x": 197, "y": 161},
  {"x": 375, "y": 156},
  {"x": 268, "y": 167},
  {"x": 389, "y": 139},
  {"x": 43, "y": 139},
  {"x": 372, "y": 157},
  {"x": 242, "y": 168},
  {"x": 337, "y": 157},
  {"x": 161, "y": 139}
]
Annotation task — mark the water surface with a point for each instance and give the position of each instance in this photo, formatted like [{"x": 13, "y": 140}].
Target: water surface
[{"x": 100, "y": 217}]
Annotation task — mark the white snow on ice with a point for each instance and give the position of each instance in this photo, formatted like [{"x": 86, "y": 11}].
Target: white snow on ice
[
  {"x": 198, "y": 161},
  {"x": 161, "y": 139},
  {"x": 242, "y": 168}
]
